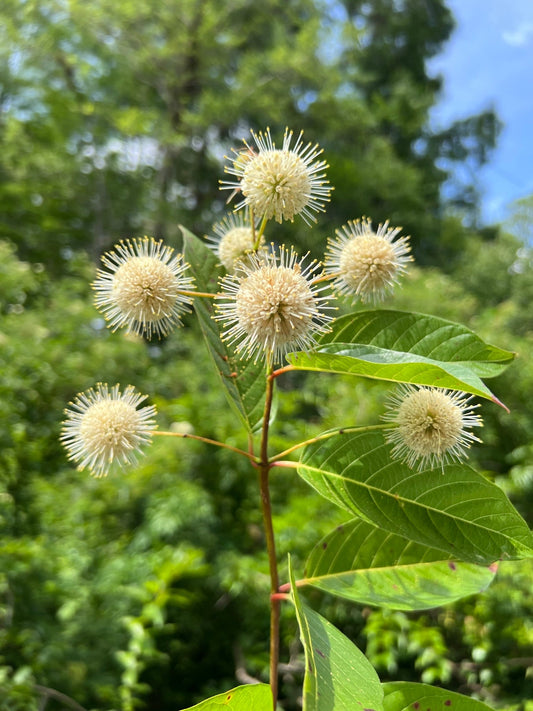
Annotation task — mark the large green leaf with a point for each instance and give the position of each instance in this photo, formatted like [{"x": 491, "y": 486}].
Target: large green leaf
[
  {"x": 243, "y": 698},
  {"x": 363, "y": 563},
  {"x": 409, "y": 696},
  {"x": 338, "y": 676},
  {"x": 453, "y": 509},
  {"x": 406, "y": 348},
  {"x": 243, "y": 380}
]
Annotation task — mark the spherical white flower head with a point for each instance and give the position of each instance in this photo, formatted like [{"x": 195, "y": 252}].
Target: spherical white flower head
[
  {"x": 282, "y": 183},
  {"x": 432, "y": 426},
  {"x": 234, "y": 239},
  {"x": 142, "y": 287},
  {"x": 367, "y": 264},
  {"x": 272, "y": 306},
  {"x": 104, "y": 427}
]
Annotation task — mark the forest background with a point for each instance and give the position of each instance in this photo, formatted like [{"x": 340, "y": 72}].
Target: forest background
[{"x": 114, "y": 121}]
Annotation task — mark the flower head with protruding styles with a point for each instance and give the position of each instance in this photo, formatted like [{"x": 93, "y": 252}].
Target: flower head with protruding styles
[
  {"x": 432, "y": 426},
  {"x": 272, "y": 305},
  {"x": 367, "y": 264},
  {"x": 234, "y": 240},
  {"x": 104, "y": 428},
  {"x": 142, "y": 287},
  {"x": 280, "y": 183}
]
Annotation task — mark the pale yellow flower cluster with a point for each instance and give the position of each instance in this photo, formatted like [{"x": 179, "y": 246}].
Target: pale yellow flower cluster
[
  {"x": 432, "y": 426},
  {"x": 271, "y": 302}
]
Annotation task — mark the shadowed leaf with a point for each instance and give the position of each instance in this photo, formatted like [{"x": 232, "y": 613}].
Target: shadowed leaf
[
  {"x": 362, "y": 563},
  {"x": 243, "y": 380},
  {"x": 407, "y": 696},
  {"x": 243, "y": 698},
  {"x": 338, "y": 676},
  {"x": 453, "y": 509}
]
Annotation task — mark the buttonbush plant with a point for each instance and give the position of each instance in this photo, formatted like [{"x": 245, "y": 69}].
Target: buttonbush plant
[{"x": 426, "y": 529}]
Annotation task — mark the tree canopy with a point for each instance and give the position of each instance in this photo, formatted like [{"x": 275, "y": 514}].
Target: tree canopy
[{"x": 115, "y": 115}]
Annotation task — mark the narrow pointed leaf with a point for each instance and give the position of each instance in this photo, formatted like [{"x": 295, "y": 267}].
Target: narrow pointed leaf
[
  {"x": 362, "y": 563},
  {"x": 243, "y": 698},
  {"x": 338, "y": 676},
  {"x": 453, "y": 509},
  {"x": 243, "y": 380},
  {"x": 409, "y": 696},
  {"x": 406, "y": 348}
]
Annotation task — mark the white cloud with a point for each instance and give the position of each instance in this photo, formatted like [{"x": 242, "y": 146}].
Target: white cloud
[{"x": 520, "y": 36}]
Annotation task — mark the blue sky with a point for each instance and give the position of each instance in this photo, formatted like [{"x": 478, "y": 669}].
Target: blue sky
[{"x": 488, "y": 62}]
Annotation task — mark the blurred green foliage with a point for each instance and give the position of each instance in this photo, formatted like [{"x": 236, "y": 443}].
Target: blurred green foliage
[{"x": 148, "y": 589}]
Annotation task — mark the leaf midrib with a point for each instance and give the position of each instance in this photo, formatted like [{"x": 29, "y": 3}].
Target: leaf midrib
[
  {"x": 398, "y": 498},
  {"x": 386, "y": 568}
]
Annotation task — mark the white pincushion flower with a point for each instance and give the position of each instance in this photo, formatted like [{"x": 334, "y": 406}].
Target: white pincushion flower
[
  {"x": 104, "y": 427},
  {"x": 142, "y": 287},
  {"x": 280, "y": 183},
  {"x": 272, "y": 305},
  {"x": 432, "y": 425},
  {"x": 367, "y": 263},
  {"x": 233, "y": 240}
]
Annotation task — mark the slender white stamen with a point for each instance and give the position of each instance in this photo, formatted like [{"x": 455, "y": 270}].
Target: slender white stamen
[
  {"x": 272, "y": 305},
  {"x": 141, "y": 288},
  {"x": 280, "y": 183},
  {"x": 432, "y": 425},
  {"x": 104, "y": 427},
  {"x": 367, "y": 263}
]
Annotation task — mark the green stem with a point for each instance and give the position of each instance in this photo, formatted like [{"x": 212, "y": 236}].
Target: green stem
[
  {"x": 266, "y": 508},
  {"x": 260, "y": 233},
  {"x": 326, "y": 435},
  {"x": 216, "y": 443}
]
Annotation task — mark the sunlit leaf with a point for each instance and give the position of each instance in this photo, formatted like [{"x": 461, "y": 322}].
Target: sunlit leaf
[
  {"x": 243, "y": 380},
  {"x": 453, "y": 509},
  {"x": 243, "y": 698},
  {"x": 406, "y": 348},
  {"x": 409, "y": 696},
  {"x": 338, "y": 676},
  {"x": 365, "y": 564}
]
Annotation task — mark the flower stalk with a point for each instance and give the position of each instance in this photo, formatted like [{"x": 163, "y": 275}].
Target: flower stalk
[{"x": 206, "y": 440}]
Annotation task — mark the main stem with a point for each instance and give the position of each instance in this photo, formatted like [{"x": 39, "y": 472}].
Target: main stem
[{"x": 266, "y": 507}]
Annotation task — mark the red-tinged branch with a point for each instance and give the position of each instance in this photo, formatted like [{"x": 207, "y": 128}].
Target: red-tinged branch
[
  {"x": 280, "y": 596},
  {"x": 206, "y": 440},
  {"x": 266, "y": 508},
  {"x": 287, "y": 464},
  {"x": 280, "y": 371}
]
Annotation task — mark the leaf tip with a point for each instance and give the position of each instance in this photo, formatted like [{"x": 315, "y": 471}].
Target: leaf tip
[{"x": 500, "y": 403}]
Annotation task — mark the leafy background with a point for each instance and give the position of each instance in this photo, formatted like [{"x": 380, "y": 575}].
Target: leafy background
[{"x": 149, "y": 588}]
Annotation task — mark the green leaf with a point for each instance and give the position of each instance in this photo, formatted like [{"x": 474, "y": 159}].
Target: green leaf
[
  {"x": 338, "y": 676},
  {"x": 453, "y": 509},
  {"x": 243, "y": 380},
  {"x": 409, "y": 696},
  {"x": 243, "y": 698},
  {"x": 362, "y": 563},
  {"x": 406, "y": 348}
]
